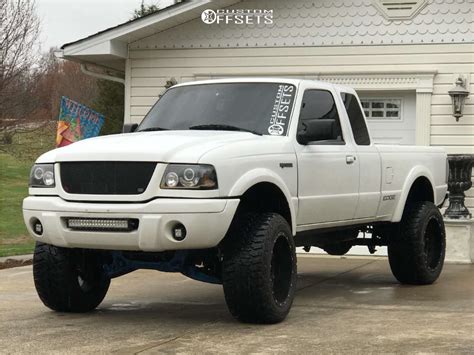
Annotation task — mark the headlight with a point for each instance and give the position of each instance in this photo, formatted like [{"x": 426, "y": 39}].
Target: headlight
[
  {"x": 183, "y": 176},
  {"x": 42, "y": 175}
]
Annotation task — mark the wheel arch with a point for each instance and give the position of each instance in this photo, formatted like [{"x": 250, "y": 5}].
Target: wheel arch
[
  {"x": 272, "y": 192},
  {"x": 419, "y": 186}
]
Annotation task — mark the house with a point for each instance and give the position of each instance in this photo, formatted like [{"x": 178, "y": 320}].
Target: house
[{"x": 402, "y": 56}]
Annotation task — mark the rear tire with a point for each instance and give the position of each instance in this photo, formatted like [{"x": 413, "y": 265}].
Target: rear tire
[
  {"x": 259, "y": 268},
  {"x": 416, "y": 250},
  {"x": 69, "y": 280}
]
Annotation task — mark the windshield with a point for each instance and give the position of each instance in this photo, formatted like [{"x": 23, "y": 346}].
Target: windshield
[{"x": 261, "y": 108}]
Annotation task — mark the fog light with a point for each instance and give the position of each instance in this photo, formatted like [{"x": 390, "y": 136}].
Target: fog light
[
  {"x": 37, "y": 227},
  {"x": 179, "y": 232}
]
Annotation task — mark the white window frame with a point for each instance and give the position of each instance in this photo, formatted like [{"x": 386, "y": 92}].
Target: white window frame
[{"x": 384, "y": 99}]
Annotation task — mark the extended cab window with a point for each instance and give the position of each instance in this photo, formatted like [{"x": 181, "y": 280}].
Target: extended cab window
[
  {"x": 356, "y": 118},
  {"x": 320, "y": 105}
]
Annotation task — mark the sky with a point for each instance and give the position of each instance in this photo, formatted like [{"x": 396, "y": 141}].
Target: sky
[{"x": 64, "y": 21}]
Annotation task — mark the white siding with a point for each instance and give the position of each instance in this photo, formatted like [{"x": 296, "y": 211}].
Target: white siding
[
  {"x": 299, "y": 23},
  {"x": 149, "y": 70}
]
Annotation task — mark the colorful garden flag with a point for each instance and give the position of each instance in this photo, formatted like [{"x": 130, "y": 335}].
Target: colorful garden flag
[{"x": 76, "y": 122}]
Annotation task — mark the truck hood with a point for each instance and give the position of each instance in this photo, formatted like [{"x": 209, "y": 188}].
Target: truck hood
[{"x": 163, "y": 146}]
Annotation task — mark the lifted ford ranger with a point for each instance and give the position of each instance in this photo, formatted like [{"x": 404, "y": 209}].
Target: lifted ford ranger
[{"x": 221, "y": 181}]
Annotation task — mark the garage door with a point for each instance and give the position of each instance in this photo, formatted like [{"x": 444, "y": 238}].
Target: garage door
[{"x": 390, "y": 116}]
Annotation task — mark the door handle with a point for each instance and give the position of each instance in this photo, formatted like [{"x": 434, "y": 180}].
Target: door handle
[{"x": 350, "y": 159}]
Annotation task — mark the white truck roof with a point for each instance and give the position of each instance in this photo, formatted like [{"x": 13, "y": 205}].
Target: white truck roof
[{"x": 296, "y": 82}]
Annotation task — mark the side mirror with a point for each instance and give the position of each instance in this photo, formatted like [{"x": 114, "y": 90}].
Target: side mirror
[
  {"x": 129, "y": 127},
  {"x": 317, "y": 130}
]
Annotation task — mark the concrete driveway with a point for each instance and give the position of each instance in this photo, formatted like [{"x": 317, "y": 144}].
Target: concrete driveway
[{"x": 342, "y": 305}]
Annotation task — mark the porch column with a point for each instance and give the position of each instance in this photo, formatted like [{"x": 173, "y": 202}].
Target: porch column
[
  {"x": 424, "y": 91},
  {"x": 423, "y": 117}
]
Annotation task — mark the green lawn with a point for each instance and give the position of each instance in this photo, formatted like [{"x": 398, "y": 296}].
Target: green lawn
[
  {"x": 16, "y": 160},
  {"x": 14, "y": 174}
]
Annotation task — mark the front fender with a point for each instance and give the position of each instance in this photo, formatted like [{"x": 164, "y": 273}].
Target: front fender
[
  {"x": 255, "y": 176},
  {"x": 415, "y": 173}
]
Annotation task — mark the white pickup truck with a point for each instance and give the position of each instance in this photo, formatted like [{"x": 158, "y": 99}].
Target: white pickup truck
[{"x": 221, "y": 181}]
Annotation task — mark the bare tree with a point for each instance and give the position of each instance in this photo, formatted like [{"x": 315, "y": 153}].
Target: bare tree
[
  {"x": 57, "y": 77},
  {"x": 19, "y": 30}
]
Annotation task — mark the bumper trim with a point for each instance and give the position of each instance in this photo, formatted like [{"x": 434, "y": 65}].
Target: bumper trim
[{"x": 206, "y": 222}]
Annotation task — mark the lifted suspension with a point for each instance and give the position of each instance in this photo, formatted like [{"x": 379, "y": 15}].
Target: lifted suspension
[
  {"x": 182, "y": 261},
  {"x": 372, "y": 237}
]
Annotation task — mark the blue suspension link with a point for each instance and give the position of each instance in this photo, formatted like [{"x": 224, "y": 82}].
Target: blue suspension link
[{"x": 179, "y": 263}]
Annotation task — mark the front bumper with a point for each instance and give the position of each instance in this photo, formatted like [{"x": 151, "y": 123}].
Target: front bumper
[{"x": 206, "y": 222}]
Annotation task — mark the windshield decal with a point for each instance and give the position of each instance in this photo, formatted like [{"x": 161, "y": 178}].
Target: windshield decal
[{"x": 281, "y": 110}]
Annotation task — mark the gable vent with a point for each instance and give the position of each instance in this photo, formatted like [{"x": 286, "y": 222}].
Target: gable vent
[{"x": 399, "y": 10}]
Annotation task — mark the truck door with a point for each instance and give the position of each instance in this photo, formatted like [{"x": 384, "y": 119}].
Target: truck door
[
  {"x": 369, "y": 159},
  {"x": 328, "y": 171}
]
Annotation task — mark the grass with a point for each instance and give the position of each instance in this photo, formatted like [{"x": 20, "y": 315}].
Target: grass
[
  {"x": 14, "y": 238},
  {"x": 16, "y": 160}
]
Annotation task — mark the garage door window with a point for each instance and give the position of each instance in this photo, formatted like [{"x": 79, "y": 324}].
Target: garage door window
[{"x": 382, "y": 109}]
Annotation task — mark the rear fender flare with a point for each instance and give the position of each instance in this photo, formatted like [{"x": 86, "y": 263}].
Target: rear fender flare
[{"x": 415, "y": 173}]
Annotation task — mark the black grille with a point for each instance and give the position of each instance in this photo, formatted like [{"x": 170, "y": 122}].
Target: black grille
[{"x": 106, "y": 178}]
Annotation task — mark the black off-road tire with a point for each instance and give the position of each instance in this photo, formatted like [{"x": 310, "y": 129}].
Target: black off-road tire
[
  {"x": 416, "y": 249},
  {"x": 259, "y": 268},
  {"x": 69, "y": 280}
]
